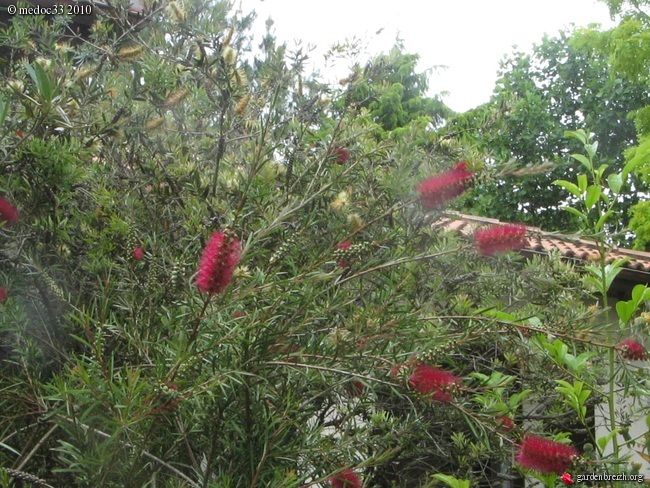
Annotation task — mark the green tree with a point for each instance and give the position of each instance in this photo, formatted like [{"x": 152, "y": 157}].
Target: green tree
[
  {"x": 628, "y": 48},
  {"x": 394, "y": 92},
  {"x": 564, "y": 84}
]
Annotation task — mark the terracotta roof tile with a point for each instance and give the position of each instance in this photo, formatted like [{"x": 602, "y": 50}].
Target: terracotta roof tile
[{"x": 637, "y": 269}]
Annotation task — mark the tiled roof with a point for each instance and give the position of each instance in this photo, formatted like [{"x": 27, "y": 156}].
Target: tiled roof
[{"x": 636, "y": 270}]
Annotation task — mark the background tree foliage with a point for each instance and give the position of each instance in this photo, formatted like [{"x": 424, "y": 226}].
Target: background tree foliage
[
  {"x": 628, "y": 47},
  {"x": 394, "y": 93},
  {"x": 564, "y": 84},
  {"x": 117, "y": 372}
]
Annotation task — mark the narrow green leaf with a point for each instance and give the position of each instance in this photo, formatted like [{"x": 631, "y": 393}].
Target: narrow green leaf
[
  {"x": 612, "y": 270},
  {"x": 601, "y": 221},
  {"x": 593, "y": 194},
  {"x": 576, "y": 212},
  {"x": 41, "y": 80},
  {"x": 4, "y": 108},
  {"x": 567, "y": 185},
  {"x": 584, "y": 160},
  {"x": 582, "y": 182},
  {"x": 451, "y": 481},
  {"x": 601, "y": 170}
]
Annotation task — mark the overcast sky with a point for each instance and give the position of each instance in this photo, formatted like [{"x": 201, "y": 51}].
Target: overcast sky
[{"x": 470, "y": 37}]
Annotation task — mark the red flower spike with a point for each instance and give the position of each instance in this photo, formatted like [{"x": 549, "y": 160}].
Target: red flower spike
[
  {"x": 505, "y": 423},
  {"x": 355, "y": 389},
  {"x": 345, "y": 479},
  {"x": 3, "y": 295},
  {"x": 436, "y": 190},
  {"x": 545, "y": 456},
  {"x": 218, "y": 262},
  {"x": 632, "y": 350},
  {"x": 342, "y": 246},
  {"x": 340, "y": 155},
  {"x": 434, "y": 382},
  {"x": 138, "y": 253},
  {"x": 500, "y": 238},
  {"x": 8, "y": 213}
]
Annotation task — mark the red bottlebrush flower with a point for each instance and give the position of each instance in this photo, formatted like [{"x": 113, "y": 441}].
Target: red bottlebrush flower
[
  {"x": 632, "y": 350},
  {"x": 340, "y": 155},
  {"x": 3, "y": 295},
  {"x": 355, "y": 389},
  {"x": 8, "y": 213},
  {"x": 220, "y": 257},
  {"x": 343, "y": 246},
  {"x": 345, "y": 479},
  {"x": 505, "y": 423},
  {"x": 138, "y": 253},
  {"x": 441, "y": 188},
  {"x": 435, "y": 382},
  {"x": 500, "y": 238},
  {"x": 545, "y": 456}
]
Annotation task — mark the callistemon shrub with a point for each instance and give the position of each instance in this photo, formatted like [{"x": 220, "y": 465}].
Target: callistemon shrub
[{"x": 185, "y": 305}]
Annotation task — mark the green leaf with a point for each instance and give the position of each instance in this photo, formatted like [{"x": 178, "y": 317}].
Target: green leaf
[
  {"x": 4, "y": 108},
  {"x": 579, "y": 134},
  {"x": 604, "y": 440},
  {"x": 595, "y": 283},
  {"x": 502, "y": 316},
  {"x": 584, "y": 160},
  {"x": 593, "y": 194},
  {"x": 451, "y": 481},
  {"x": 601, "y": 221},
  {"x": 41, "y": 80},
  {"x": 592, "y": 149},
  {"x": 601, "y": 171},
  {"x": 582, "y": 182},
  {"x": 640, "y": 294},
  {"x": 576, "y": 212},
  {"x": 517, "y": 398},
  {"x": 568, "y": 186}
]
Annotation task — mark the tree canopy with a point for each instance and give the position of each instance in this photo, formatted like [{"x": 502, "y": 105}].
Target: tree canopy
[{"x": 564, "y": 84}]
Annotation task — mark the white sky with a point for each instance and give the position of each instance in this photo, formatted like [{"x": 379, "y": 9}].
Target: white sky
[{"x": 470, "y": 37}]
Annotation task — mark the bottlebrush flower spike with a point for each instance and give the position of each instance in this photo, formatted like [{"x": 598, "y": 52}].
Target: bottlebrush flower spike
[
  {"x": 218, "y": 262},
  {"x": 138, "y": 253},
  {"x": 355, "y": 389},
  {"x": 8, "y": 213},
  {"x": 345, "y": 479},
  {"x": 545, "y": 456},
  {"x": 500, "y": 238},
  {"x": 632, "y": 350},
  {"x": 341, "y": 249},
  {"x": 505, "y": 423},
  {"x": 340, "y": 155},
  {"x": 434, "y": 382},
  {"x": 441, "y": 188}
]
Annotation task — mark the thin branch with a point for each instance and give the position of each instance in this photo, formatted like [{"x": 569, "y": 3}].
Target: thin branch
[
  {"x": 131, "y": 446},
  {"x": 26, "y": 459}
]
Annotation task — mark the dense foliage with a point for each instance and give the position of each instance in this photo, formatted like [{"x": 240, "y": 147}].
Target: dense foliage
[
  {"x": 216, "y": 272},
  {"x": 564, "y": 84}
]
